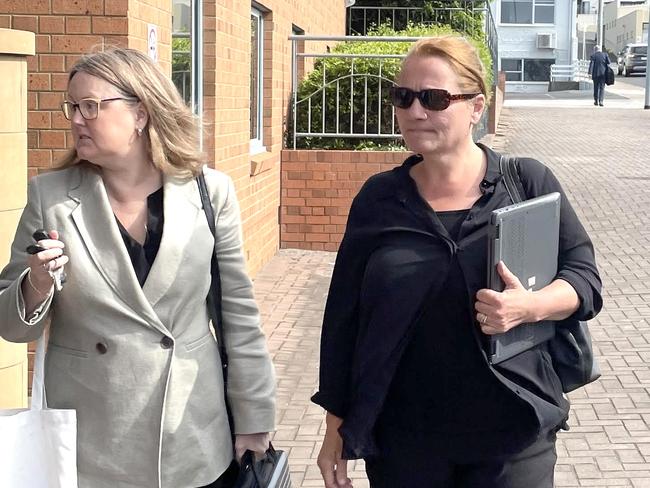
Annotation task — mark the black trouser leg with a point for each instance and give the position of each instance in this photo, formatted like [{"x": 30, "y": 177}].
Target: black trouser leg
[
  {"x": 418, "y": 467},
  {"x": 599, "y": 89},
  {"x": 532, "y": 468}
]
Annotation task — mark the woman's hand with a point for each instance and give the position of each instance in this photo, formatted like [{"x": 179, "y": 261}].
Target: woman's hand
[
  {"x": 333, "y": 469},
  {"x": 258, "y": 443},
  {"x": 498, "y": 312},
  {"x": 39, "y": 279}
]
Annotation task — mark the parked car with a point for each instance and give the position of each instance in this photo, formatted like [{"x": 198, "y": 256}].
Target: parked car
[{"x": 633, "y": 59}]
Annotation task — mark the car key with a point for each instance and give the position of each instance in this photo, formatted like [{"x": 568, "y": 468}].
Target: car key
[
  {"x": 58, "y": 275},
  {"x": 38, "y": 235}
]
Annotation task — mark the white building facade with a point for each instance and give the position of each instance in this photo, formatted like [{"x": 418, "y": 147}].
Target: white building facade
[
  {"x": 624, "y": 23},
  {"x": 533, "y": 35}
]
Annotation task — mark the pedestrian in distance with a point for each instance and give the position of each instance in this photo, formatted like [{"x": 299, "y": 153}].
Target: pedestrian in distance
[
  {"x": 404, "y": 379},
  {"x": 130, "y": 344},
  {"x": 598, "y": 64}
]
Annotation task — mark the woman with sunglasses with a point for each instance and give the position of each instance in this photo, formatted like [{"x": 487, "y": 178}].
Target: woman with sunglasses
[
  {"x": 403, "y": 375},
  {"x": 130, "y": 345}
]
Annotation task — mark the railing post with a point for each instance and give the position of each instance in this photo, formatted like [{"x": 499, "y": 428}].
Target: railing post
[{"x": 294, "y": 87}]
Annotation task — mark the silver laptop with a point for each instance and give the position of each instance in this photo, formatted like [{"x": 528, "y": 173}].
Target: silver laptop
[{"x": 525, "y": 236}]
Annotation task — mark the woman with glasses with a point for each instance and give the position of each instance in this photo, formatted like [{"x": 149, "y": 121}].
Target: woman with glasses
[
  {"x": 404, "y": 376},
  {"x": 130, "y": 345}
]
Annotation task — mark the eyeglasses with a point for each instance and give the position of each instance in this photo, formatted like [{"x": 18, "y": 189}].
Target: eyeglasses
[
  {"x": 431, "y": 99},
  {"x": 88, "y": 107}
]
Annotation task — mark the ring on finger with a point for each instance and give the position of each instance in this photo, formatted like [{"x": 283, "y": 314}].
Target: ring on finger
[{"x": 484, "y": 318}]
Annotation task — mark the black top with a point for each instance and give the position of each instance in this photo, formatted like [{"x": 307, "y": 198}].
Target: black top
[
  {"x": 441, "y": 382},
  {"x": 395, "y": 257},
  {"x": 452, "y": 220},
  {"x": 143, "y": 256}
]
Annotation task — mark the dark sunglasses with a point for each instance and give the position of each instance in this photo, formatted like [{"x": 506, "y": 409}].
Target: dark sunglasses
[{"x": 431, "y": 99}]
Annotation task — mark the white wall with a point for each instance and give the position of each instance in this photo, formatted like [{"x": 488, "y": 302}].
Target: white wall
[{"x": 520, "y": 41}]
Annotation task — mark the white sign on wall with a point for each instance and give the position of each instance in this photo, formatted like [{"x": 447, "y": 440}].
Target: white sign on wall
[{"x": 152, "y": 41}]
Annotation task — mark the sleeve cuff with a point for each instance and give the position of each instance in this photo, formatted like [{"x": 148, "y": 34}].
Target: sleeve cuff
[
  {"x": 40, "y": 312},
  {"x": 329, "y": 403},
  {"x": 586, "y": 310}
]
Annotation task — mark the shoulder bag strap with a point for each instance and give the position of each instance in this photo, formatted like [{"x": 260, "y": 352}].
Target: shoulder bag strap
[
  {"x": 214, "y": 296},
  {"x": 509, "y": 168}
]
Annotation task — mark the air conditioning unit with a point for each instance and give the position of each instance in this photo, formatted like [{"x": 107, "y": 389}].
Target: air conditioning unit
[{"x": 546, "y": 41}]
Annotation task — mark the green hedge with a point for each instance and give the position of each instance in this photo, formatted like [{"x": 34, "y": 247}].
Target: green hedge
[{"x": 340, "y": 68}]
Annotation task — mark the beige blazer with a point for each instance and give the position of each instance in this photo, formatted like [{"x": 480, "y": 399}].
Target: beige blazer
[{"x": 140, "y": 365}]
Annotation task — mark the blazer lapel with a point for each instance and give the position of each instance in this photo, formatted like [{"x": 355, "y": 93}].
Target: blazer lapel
[
  {"x": 181, "y": 208},
  {"x": 95, "y": 222}
]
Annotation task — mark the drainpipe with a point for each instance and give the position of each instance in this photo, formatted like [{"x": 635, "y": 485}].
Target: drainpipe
[{"x": 647, "y": 66}]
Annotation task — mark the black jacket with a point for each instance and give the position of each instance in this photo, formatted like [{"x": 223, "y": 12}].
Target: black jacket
[
  {"x": 598, "y": 63},
  {"x": 372, "y": 305}
]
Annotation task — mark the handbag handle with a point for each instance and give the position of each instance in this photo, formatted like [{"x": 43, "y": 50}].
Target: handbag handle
[
  {"x": 508, "y": 168},
  {"x": 39, "y": 400},
  {"x": 214, "y": 295}
]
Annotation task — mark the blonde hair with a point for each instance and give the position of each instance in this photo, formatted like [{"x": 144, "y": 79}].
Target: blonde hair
[
  {"x": 461, "y": 55},
  {"x": 172, "y": 131}
]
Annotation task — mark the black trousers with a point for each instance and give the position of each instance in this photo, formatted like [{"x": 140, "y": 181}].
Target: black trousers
[
  {"x": 419, "y": 468},
  {"x": 599, "y": 89}
]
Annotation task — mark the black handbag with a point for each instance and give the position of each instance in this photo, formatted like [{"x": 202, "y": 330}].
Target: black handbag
[
  {"x": 272, "y": 471},
  {"x": 609, "y": 76},
  {"x": 571, "y": 349}
]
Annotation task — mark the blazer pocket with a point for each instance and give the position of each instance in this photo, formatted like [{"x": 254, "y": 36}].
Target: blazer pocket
[
  {"x": 194, "y": 345},
  {"x": 68, "y": 351}
]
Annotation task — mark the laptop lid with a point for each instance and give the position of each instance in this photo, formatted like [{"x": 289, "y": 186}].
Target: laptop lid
[{"x": 525, "y": 236}]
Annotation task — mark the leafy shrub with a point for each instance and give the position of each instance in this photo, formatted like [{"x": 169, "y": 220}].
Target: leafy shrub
[{"x": 363, "y": 106}]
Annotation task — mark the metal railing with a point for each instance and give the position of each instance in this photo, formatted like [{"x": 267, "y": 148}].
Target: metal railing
[
  {"x": 361, "y": 19},
  {"x": 578, "y": 71},
  {"x": 349, "y": 105},
  {"x": 492, "y": 40},
  {"x": 349, "y": 100}
]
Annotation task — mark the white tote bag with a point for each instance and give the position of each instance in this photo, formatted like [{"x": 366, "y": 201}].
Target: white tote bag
[{"x": 38, "y": 446}]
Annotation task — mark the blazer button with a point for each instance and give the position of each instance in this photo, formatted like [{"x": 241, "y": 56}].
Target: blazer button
[
  {"x": 166, "y": 342},
  {"x": 101, "y": 348}
]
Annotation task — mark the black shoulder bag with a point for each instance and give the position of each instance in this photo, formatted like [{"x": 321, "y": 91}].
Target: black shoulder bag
[
  {"x": 571, "y": 349},
  {"x": 272, "y": 471}
]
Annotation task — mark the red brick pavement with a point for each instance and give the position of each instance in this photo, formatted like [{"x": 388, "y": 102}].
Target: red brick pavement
[{"x": 602, "y": 158}]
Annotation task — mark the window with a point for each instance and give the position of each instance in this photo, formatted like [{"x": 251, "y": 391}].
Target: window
[
  {"x": 527, "y": 69},
  {"x": 544, "y": 12},
  {"x": 512, "y": 68},
  {"x": 528, "y": 11},
  {"x": 182, "y": 48},
  {"x": 257, "y": 81}
]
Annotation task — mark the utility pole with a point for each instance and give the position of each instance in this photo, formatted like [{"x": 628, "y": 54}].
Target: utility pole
[{"x": 599, "y": 34}]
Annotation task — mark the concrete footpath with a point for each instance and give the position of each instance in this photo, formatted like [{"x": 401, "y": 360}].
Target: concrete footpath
[{"x": 602, "y": 157}]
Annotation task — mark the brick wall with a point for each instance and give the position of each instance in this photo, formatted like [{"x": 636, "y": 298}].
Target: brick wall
[
  {"x": 317, "y": 191},
  {"x": 64, "y": 30},
  {"x": 497, "y": 103},
  {"x": 227, "y": 55}
]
